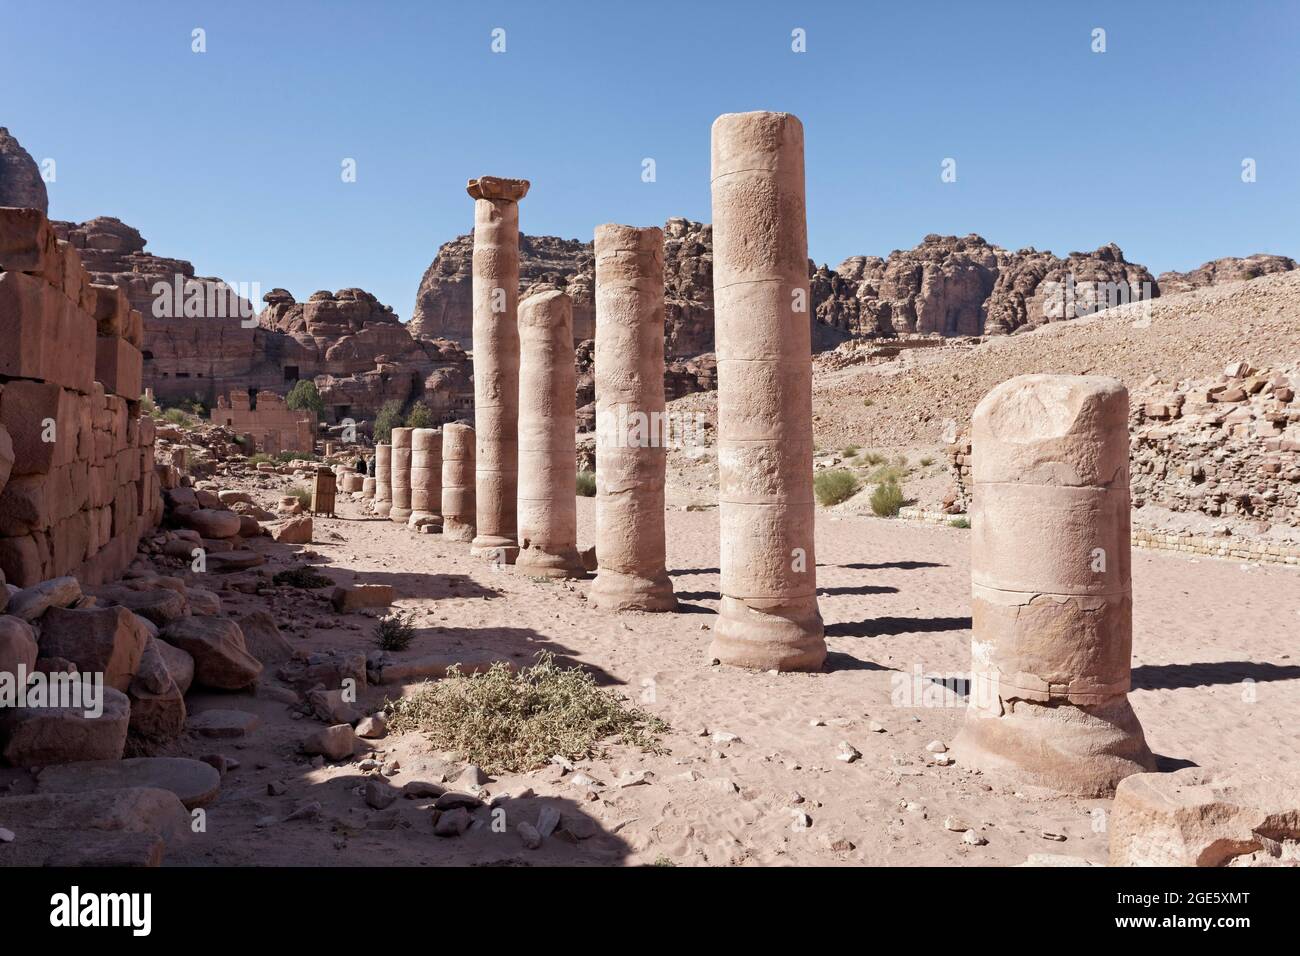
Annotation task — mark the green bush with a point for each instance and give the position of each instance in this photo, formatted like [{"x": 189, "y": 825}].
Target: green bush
[
  {"x": 927, "y": 462},
  {"x": 301, "y": 493},
  {"x": 306, "y": 397},
  {"x": 962, "y": 522},
  {"x": 850, "y": 451},
  {"x": 887, "y": 498},
  {"x": 389, "y": 417},
  {"x": 872, "y": 458},
  {"x": 421, "y": 416},
  {"x": 259, "y": 458},
  {"x": 834, "y": 485},
  {"x": 587, "y": 484}
]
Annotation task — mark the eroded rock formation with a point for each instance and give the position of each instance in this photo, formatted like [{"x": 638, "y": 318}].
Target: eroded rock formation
[
  {"x": 21, "y": 184},
  {"x": 1227, "y": 269}
]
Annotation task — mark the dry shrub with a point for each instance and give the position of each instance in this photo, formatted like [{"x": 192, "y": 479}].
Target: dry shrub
[{"x": 509, "y": 722}]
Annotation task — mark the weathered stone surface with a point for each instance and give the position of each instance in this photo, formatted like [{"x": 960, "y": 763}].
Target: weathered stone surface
[
  {"x": 37, "y": 736},
  {"x": 1196, "y": 817},
  {"x": 195, "y": 783},
  {"x": 334, "y": 743},
  {"x": 1051, "y": 642},
  {"x": 20, "y": 178},
  {"x": 211, "y": 523},
  {"x": 768, "y": 617},
  {"x": 30, "y": 603},
  {"x": 160, "y": 605},
  {"x": 97, "y": 827},
  {"x": 18, "y": 646},
  {"x": 297, "y": 530},
  {"x": 235, "y": 561},
  {"x": 263, "y": 639},
  {"x": 108, "y": 640},
  {"x": 157, "y": 696},
  {"x": 358, "y": 596},
  {"x": 221, "y": 659}
]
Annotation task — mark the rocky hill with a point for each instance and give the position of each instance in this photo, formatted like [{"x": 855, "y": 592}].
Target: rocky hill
[
  {"x": 20, "y": 178},
  {"x": 1228, "y": 269}
]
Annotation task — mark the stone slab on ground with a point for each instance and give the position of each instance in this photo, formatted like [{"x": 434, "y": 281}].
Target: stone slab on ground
[{"x": 194, "y": 782}]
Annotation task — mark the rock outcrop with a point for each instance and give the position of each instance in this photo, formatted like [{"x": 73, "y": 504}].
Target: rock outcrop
[
  {"x": 443, "y": 309},
  {"x": 1227, "y": 269},
  {"x": 20, "y": 178}
]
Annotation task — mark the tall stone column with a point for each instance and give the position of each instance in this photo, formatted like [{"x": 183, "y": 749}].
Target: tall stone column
[
  {"x": 458, "y": 482},
  {"x": 400, "y": 478},
  {"x": 548, "y": 469},
  {"x": 496, "y": 363},
  {"x": 383, "y": 478},
  {"x": 768, "y": 616},
  {"x": 630, "y": 430},
  {"x": 1051, "y": 601},
  {"x": 426, "y": 478}
]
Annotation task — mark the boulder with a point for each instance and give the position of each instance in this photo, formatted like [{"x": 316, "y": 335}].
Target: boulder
[
  {"x": 94, "y": 827},
  {"x": 157, "y": 700},
  {"x": 221, "y": 659},
  {"x": 180, "y": 664},
  {"x": 160, "y": 605},
  {"x": 30, "y": 603},
  {"x": 1195, "y": 817},
  {"x": 203, "y": 601},
  {"x": 263, "y": 639},
  {"x": 18, "y": 646},
  {"x": 249, "y": 527},
  {"x": 334, "y": 743},
  {"x": 296, "y": 530},
  {"x": 108, "y": 640},
  {"x": 358, "y": 596},
  {"x": 37, "y": 736},
  {"x": 212, "y": 523},
  {"x": 195, "y": 783},
  {"x": 235, "y": 561}
]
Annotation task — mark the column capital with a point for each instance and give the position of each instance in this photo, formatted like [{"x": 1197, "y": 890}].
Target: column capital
[{"x": 494, "y": 187}]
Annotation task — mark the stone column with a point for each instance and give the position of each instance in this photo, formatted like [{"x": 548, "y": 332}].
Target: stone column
[
  {"x": 630, "y": 431},
  {"x": 548, "y": 470},
  {"x": 1051, "y": 601},
  {"x": 426, "y": 478},
  {"x": 458, "y": 482},
  {"x": 768, "y": 616},
  {"x": 383, "y": 478},
  {"x": 368, "y": 487},
  {"x": 496, "y": 363},
  {"x": 401, "y": 475}
]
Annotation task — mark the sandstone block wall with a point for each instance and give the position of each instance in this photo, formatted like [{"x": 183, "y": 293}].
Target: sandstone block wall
[
  {"x": 1229, "y": 448},
  {"x": 77, "y": 479},
  {"x": 273, "y": 425}
]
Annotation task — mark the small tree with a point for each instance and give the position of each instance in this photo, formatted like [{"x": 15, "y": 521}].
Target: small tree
[
  {"x": 389, "y": 417},
  {"x": 304, "y": 396},
  {"x": 420, "y": 416}
]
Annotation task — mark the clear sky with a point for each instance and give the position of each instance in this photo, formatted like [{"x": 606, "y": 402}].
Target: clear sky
[{"x": 232, "y": 158}]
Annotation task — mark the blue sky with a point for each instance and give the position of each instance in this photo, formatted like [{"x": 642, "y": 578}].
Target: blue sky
[{"x": 232, "y": 158}]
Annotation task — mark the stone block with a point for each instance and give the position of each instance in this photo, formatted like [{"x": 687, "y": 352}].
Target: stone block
[{"x": 119, "y": 367}]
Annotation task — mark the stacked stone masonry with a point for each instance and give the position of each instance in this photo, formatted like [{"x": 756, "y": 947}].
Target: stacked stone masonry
[{"x": 77, "y": 479}]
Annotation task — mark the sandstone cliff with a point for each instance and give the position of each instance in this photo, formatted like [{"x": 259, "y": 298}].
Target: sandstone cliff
[{"x": 20, "y": 178}]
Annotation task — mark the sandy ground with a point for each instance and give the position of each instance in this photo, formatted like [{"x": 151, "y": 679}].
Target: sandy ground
[{"x": 1215, "y": 684}]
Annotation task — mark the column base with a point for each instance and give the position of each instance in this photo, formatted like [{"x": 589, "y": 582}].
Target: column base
[
  {"x": 453, "y": 530},
  {"x": 382, "y": 507},
  {"x": 785, "y": 638},
  {"x": 419, "y": 520},
  {"x": 542, "y": 564},
  {"x": 1080, "y": 750},
  {"x": 616, "y": 591},
  {"x": 399, "y": 514},
  {"x": 495, "y": 548}
]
